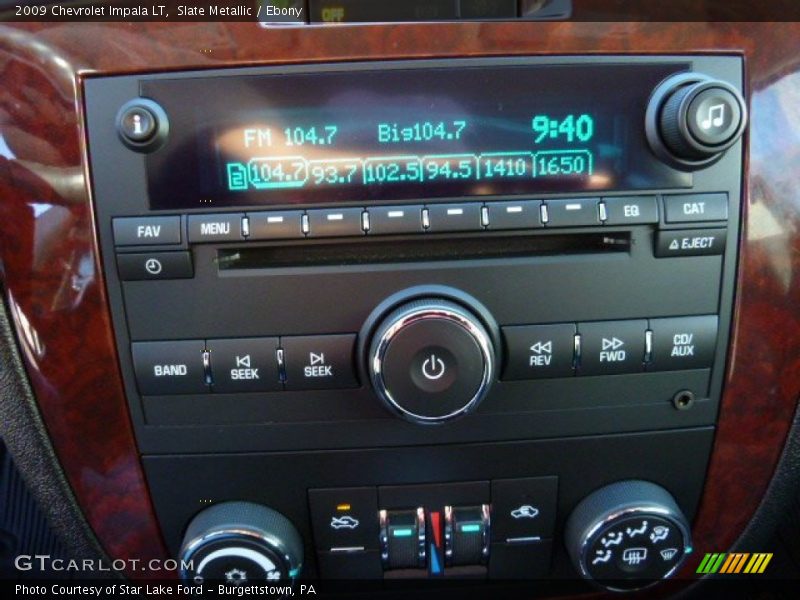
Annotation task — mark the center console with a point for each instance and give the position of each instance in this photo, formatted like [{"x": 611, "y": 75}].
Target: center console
[{"x": 423, "y": 318}]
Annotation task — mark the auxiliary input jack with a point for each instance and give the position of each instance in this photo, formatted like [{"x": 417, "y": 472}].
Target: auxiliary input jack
[{"x": 683, "y": 400}]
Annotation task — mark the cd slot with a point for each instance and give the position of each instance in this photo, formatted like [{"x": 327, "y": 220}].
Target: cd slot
[{"x": 420, "y": 250}]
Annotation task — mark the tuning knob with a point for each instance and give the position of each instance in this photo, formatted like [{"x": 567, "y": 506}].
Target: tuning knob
[
  {"x": 628, "y": 535},
  {"x": 693, "y": 119},
  {"x": 240, "y": 543},
  {"x": 431, "y": 360}
]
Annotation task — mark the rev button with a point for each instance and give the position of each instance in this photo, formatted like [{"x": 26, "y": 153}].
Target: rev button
[
  {"x": 319, "y": 362},
  {"x": 245, "y": 365},
  {"x": 535, "y": 351}
]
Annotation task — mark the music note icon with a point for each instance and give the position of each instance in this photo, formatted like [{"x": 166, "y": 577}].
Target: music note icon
[{"x": 716, "y": 116}]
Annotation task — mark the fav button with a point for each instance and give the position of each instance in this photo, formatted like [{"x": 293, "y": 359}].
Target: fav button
[
  {"x": 535, "y": 351},
  {"x": 319, "y": 362},
  {"x": 169, "y": 367},
  {"x": 345, "y": 519},
  {"x": 612, "y": 347},
  {"x": 245, "y": 365},
  {"x": 146, "y": 231},
  {"x": 683, "y": 343}
]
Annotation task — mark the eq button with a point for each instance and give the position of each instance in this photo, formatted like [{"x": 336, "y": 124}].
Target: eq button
[{"x": 630, "y": 210}]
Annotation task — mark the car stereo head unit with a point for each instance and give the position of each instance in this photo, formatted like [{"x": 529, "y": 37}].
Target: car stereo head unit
[{"x": 506, "y": 274}]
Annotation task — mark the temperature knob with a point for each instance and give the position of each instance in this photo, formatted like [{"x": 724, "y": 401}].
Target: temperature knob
[
  {"x": 240, "y": 543},
  {"x": 693, "y": 119},
  {"x": 628, "y": 535},
  {"x": 431, "y": 360}
]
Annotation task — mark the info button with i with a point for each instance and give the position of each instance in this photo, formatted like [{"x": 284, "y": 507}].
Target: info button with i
[{"x": 142, "y": 125}]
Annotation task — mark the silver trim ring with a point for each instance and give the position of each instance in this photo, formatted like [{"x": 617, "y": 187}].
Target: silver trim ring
[
  {"x": 273, "y": 544},
  {"x": 422, "y": 311}
]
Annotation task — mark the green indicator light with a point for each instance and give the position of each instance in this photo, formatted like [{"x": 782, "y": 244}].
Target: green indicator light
[
  {"x": 402, "y": 532},
  {"x": 472, "y": 528}
]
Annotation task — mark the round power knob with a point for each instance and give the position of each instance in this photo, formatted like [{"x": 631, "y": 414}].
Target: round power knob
[
  {"x": 693, "y": 119},
  {"x": 628, "y": 535},
  {"x": 431, "y": 360},
  {"x": 240, "y": 543}
]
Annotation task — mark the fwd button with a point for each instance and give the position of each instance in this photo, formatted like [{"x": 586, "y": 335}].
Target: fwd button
[
  {"x": 319, "y": 362},
  {"x": 612, "y": 347}
]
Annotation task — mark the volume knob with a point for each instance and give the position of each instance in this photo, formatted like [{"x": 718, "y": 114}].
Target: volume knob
[{"x": 431, "y": 360}]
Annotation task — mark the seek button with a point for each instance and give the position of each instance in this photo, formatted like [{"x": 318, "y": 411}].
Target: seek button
[{"x": 319, "y": 362}]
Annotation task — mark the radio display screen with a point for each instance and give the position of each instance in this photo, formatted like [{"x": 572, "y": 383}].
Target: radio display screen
[{"x": 399, "y": 134}]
